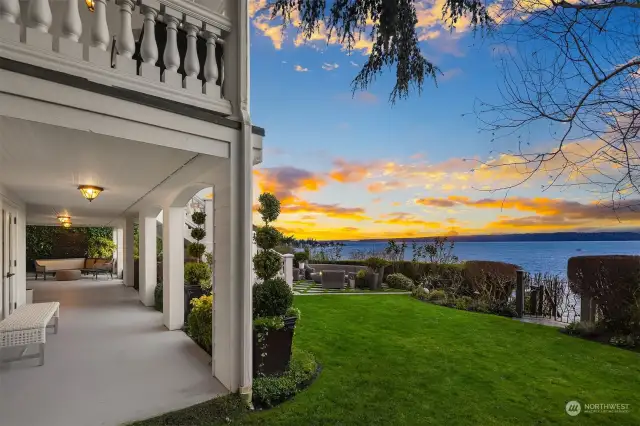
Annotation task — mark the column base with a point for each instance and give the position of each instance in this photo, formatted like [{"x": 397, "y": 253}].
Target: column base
[
  {"x": 149, "y": 71},
  {"x": 100, "y": 57},
  {"x": 10, "y": 31},
  {"x": 38, "y": 39},
  {"x": 212, "y": 89},
  {"x": 192, "y": 84},
  {"x": 69, "y": 48},
  {"x": 126, "y": 65},
  {"x": 172, "y": 79}
]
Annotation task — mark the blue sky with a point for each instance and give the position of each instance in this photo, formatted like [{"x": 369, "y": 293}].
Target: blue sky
[{"x": 358, "y": 167}]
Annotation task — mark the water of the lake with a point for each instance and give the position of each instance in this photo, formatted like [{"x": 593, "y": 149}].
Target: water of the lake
[{"x": 544, "y": 256}]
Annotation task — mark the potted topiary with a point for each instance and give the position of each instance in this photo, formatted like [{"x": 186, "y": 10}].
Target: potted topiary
[
  {"x": 376, "y": 267},
  {"x": 274, "y": 319},
  {"x": 197, "y": 274},
  {"x": 361, "y": 279},
  {"x": 300, "y": 258}
]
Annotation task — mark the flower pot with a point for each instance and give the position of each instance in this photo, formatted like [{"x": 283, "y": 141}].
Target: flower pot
[
  {"x": 273, "y": 354},
  {"x": 191, "y": 292},
  {"x": 372, "y": 280},
  {"x": 352, "y": 284},
  {"x": 362, "y": 283},
  {"x": 301, "y": 265}
]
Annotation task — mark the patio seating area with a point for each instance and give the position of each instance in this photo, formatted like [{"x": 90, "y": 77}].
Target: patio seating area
[
  {"x": 111, "y": 362},
  {"x": 311, "y": 287}
]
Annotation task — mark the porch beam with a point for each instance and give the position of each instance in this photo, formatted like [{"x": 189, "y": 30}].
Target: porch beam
[
  {"x": 148, "y": 266},
  {"x": 173, "y": 267}
]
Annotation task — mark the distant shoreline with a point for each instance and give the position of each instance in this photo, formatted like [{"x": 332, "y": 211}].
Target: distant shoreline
[{"x": 542, "y": 237}]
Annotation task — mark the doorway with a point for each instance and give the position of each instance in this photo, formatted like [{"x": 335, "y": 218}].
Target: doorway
[{"x": 8, "y": 262}]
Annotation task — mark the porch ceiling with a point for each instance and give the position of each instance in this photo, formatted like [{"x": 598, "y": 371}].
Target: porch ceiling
[{"x": 43, "y": 165}]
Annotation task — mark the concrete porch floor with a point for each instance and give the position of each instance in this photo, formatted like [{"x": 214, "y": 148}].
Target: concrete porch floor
[{"x": 111, "y": 362}]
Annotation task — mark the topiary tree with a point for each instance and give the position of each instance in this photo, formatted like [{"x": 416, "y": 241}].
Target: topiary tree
[{"x": 198, "y": 272}]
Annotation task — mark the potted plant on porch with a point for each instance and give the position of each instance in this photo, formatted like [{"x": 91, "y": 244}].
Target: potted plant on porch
[
  {"x": 197, "y": 274},
  {"x": 300, "y": 258},
  {"x": 274, "y": 319}
]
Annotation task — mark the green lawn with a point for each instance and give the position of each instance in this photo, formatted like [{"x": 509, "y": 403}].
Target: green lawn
[{"x": 392, "y": 360}]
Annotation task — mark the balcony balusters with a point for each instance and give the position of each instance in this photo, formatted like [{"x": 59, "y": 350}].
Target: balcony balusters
[
  {"x": 100, "y": 30},
  {"x": 171, "y": 55},
  {"x": 9, "y": 10},
  {"x": 149, "y": 48},
  {"x": 211, "y": 66},
  {"x": 38, "y": 20},
  {"x": 71, "y": 22},
  {"x": 39, "y": 15},
  {"x": 191, "y": 62}
]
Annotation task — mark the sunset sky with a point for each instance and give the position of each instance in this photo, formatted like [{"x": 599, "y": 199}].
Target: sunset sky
[{"x": 349, "y": 167}]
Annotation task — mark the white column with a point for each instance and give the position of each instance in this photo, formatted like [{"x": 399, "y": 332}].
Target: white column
[
  {"x": 100, "y": 30},
  {"x": 9, "y": 10},
  {"x": 208, "y": 226},
  {"x": 71, "y": 23},
  {"x": 233, "y": 325},
  {"x": 173, "y": 267},
  {"x": 211, "y": 67},
  {"x": 148, "y": 263},
  {"x": 129, "y": 269},
  {"x": 149, "y": 47},
  {"x": 288, "y": 269},
  {"x": 118, "y": 238},
  {"x": 171, "y": 55},
  {"x": 191, "y": 62}
]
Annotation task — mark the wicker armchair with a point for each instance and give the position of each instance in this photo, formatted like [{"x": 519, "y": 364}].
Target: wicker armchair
[{"x": 332, "y": 279}]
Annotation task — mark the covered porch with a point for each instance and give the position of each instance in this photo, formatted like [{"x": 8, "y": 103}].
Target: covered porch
[{"x": 111, "y": 362}]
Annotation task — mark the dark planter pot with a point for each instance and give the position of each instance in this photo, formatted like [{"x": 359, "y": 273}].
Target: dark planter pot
[
  {"x": 190, "y": 292},
  {"x": 277, "y": 346},
  {"x": 373, "y": 281},
  {"x": 362, "y": 283}
]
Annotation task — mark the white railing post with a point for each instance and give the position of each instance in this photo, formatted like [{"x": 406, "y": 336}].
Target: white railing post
[
  {"x": 125, "y": 43},
  {"x": 191, "y": 62},
  {"x": 9, "y": 10},
  {"x": 211, "y": 67},
  {"x": 100, "y": 30},
  {"x": 71, "y": 23},
  {"x": 288, "y": 269},
  {"x": 71, "y": 31},
  {"x": 171, "y": 55},
  {"x": 98, "y": 50},
  {"x": 38, "y": 23},
  {"x": 149, "y": 47},
  {"x": 220, "y": 42}
]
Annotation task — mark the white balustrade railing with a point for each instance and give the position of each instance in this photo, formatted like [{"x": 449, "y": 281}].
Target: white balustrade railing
[{"x": 177, "y": 15}]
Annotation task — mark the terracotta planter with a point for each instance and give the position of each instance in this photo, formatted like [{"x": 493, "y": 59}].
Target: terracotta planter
[
  {"x": 190, "y": 292},
  {"x": 277, "y": 349}
]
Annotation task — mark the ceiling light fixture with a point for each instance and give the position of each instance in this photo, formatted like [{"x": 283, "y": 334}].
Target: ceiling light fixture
[
  {"x": 63, "y": 219},
  {"x": 91, "y": 5},
  {"x": 66, "y": 224},
  {"x": 90, "y": 192}
]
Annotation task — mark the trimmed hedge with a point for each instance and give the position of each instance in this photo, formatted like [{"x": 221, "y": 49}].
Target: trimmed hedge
[{"x": 613, "y": 282}]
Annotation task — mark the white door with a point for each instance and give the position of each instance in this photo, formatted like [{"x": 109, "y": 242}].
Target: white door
[{"x": 8, "y": 261}]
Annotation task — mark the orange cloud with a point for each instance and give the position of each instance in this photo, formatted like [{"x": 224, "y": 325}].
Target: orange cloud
[
  {"x": 406, "y": 219},
  {"x": 330, "y": 210},
  {"x": 283, "y": 182},
  {"x": 377, "y": 187},
  {"x": 345, "y": 172}
]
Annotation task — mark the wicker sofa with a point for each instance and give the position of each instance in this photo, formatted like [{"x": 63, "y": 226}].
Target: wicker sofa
[{"x": 51, "y": 266}]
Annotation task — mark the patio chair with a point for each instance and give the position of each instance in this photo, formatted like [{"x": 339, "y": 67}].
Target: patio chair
[{"x": 332, "y": 279}]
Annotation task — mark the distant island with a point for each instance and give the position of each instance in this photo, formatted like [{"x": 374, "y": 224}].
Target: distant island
[{"x": 552, "y": 236}]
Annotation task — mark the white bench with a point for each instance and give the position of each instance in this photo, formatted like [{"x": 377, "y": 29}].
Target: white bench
[{"x": 28, "y": 325}]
